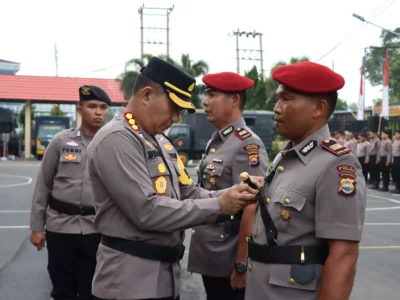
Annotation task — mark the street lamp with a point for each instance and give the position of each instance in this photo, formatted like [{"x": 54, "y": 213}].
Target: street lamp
[{"x": 363, "y": 20}]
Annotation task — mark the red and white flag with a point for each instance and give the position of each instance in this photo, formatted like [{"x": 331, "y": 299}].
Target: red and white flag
[
  {"x": 385, "y": 97},
  {"x": 360, "y": 111}
]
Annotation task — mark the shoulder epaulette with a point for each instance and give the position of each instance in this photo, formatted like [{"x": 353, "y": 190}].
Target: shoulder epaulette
[
  {"x": 130, "y": 119},
  {"x": 334, "y": 147},
  {"x": 242, "y": 133}
]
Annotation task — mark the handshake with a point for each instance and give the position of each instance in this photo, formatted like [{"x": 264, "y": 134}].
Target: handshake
[{"x": 238, "y": 197}]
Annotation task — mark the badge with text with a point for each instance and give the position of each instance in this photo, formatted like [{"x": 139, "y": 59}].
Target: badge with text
[
  {"x": 347, "y": 181},
  {"x": 161, "y": 185},
  {"x": 72, "y": 144}
]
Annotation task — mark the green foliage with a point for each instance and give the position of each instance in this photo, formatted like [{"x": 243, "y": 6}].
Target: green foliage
[
  {"x": 341, "y": 105},
  {"x": 375, "y": 62},
  {"x": 256, "y": 95},
  {"x": 56, "y": 111}
]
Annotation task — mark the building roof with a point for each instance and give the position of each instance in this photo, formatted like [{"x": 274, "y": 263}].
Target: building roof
[
  {"x": 7, "y": 61},
  {"x": 54, "y": 89}
]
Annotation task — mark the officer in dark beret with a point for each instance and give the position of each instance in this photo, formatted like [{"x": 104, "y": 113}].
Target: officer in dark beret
[
  {"x": 63, "y": 208},
  {"x": 311, "y": 208},
  {"x": 144, "y": 196}
]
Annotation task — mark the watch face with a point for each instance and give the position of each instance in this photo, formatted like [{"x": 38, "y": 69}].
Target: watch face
[{"x": 241, "y": 267}]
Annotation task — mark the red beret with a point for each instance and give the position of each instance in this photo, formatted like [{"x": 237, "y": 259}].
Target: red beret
[
  {"x": 228, "y": 82},
  {"x": 308, "y": 77}
]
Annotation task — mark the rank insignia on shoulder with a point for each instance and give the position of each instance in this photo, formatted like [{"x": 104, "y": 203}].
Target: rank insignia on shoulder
[
  {"x": 347, "y": 182},
  {"x": 242, "y": 133},
  {"x": 131, "y": 121},
  {"x": 310, "y": 146},
  {"x": 228, "y": 130},
  {"x": 149, "y": 144},
  {"x": 334, "y": 147}
]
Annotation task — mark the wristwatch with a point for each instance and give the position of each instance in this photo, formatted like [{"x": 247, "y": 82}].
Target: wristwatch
[{"x": 240, "y": 267}]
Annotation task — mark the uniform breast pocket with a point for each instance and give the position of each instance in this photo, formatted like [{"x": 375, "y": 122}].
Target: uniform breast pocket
[
  {"x": 160, "y": 176},
  {"x": 211, "y": 175},
  {"x": 70, "y": 166},
  {"x": 289, "y": 203}
]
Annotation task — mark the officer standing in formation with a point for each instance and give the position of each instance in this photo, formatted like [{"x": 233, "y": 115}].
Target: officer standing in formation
[
  {"x": 219, "y": 251},
  {"x": 374, "y": 174},
  {"x": 144, "y": 196},
  {"x": 363, "y": 154},
  {"x": 63, "y": 208},
  {"x": 311, "y": 208},
  {"x": 384, "y": 159},
  {"x": 396, "y": 162}
]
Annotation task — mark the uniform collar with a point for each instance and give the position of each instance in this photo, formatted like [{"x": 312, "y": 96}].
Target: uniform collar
[
  {"x": 228, "y": 130},
  {"x": 76, "y": 133},
  {"x": 306, "y": 149}
]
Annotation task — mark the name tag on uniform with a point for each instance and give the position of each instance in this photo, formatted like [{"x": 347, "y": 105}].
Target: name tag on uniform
[{"x": 218, "y": 161}]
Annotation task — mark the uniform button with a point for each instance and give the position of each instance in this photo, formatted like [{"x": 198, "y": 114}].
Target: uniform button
[
  {"x": 232, "y": 217},
  {"x": 212, "y": 150},
  {"x": 291, "y": 281},
  {"x": 281, "y": 169},
  {"x": 287, "y": 201},
  {"x": 267, "y": 200},
  {"x": 221, "y": 236},
  {"x": 193, "y": 232},
  {"x": 204, "y": 176},
  {"x": 255, "y": 234},
  {"x": 249, "y": 267}
]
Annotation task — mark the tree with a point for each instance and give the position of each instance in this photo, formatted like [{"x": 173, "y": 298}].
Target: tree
[
  {"x": 353, "y": 106},
  {"x": 132, "y": 68},
  {"x": 272, "y": 85},
  {"x": 256, "y": 96},
  {"x": 375, "y": 62},
  {"x": 341, "y": 105},
  {"x": 56, "y": 111}
]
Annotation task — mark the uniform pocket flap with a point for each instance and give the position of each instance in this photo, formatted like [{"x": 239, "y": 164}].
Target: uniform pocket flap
[
  {"x": 291, "y": 198},
  {"x": 280, "y": 275},
  {"x": 210, "y": 233},
  {"x": 214, "y": 169},
  {"x": 157, "y": 168}
]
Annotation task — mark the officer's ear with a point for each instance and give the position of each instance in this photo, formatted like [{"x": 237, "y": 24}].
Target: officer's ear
[
  {"x": 235, "y": 100},
  {"x": 79, "y": 107},
  {"x": 321, "y": 107},
  {"x": 145, "y": 94}
]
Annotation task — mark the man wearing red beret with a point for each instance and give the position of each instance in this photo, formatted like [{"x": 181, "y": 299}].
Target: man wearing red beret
[
  {"x": 219, "y": 251},
  {"x": 311, "y": 208}
]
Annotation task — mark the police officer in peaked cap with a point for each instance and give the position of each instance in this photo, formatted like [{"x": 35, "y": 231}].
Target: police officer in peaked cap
[
  {"x": 219, "y": 252},
  {"x": 63, "y": 208},
  {"x": 144, "y": 196},
  {"x": 310, "y": 216}
]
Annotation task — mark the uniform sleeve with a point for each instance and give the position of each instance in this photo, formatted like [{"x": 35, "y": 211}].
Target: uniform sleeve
[
  {"x": 44, "y": 185},
  {"x": 378, "y": 155},
  {"x": 253, "y": 161},
  {"x": 340, "y": 200},
  {"x": 367, "y": 147},
  {"x": 390, "y": 152},
  {"x": 120, "y": 164}
]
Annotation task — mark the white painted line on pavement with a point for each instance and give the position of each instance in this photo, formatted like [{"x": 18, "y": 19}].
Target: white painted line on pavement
[
  {"x": 385, "y": 198},
  {"x": 383, "y": 224},
  {"x": 14, "y": 211},
  {"x": 383, "y": 208},
  {"x": 13, "y": 227},
  {"x": 29, "y": 180}
]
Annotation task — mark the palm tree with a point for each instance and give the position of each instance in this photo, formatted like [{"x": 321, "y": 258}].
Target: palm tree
[{"x": 133, "y": 66}]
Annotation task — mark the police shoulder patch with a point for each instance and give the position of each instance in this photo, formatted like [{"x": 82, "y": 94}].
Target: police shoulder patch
[
  {"x": 347, "y": 181},
  {"x": 242, "y": 133},
  {"x": 334, "y": 147}
]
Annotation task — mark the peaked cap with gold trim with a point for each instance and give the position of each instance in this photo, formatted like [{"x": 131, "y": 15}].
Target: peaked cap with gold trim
[{"x": 177, "y": 84}]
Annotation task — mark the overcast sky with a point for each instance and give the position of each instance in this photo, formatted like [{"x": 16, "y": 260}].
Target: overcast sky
[{"x": 96, "y": 34}]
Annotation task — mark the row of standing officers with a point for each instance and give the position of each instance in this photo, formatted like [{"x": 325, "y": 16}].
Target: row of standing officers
[{"x": 112, "y": 202}]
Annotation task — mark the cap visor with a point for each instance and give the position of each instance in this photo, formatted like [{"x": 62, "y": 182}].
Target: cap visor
[{"x": 182, "y": 103}]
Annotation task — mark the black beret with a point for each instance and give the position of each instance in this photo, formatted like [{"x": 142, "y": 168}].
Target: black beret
[
  {"x": 177, "y": 84},
  {"x": 363, "y": 134},
  {"x": 91, "y": 92}
]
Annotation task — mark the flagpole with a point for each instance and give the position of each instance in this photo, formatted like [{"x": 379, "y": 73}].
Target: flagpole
[{"x": 379, "y": 126}]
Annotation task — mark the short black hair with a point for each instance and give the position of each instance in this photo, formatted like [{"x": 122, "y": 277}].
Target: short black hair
[
  {"x": 331, "y": 98},
  {"x": 142, "y": 81},
  {"x": 242, "y": 97}
]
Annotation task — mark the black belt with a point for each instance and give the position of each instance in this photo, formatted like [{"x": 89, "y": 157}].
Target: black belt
[
  {"x": 171, "y": 254},
  {"x": 287, "y": 254},
  {"x": 70, "y": 209}
]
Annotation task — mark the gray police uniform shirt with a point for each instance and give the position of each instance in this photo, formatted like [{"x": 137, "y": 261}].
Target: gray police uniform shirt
[
  {"x": 374, "y": 146},
  {"x": 385, "y": 150},
  {"x": 64, "y": 175},
  {"x": 363, "y": 150},
  {"x": 141, "y": 196},
  {"x": 395, "y": 149},
  {"x": 232, "y": 150},
  {"x": 352, "y": 145},
  {"x": 315, "y": 195}
]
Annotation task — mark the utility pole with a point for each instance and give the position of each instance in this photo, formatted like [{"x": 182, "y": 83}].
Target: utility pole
[
  {"x": 56, "y": 57},
  {"x": 238, "y": 34},
  {"x": 167, "y": 12}
]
